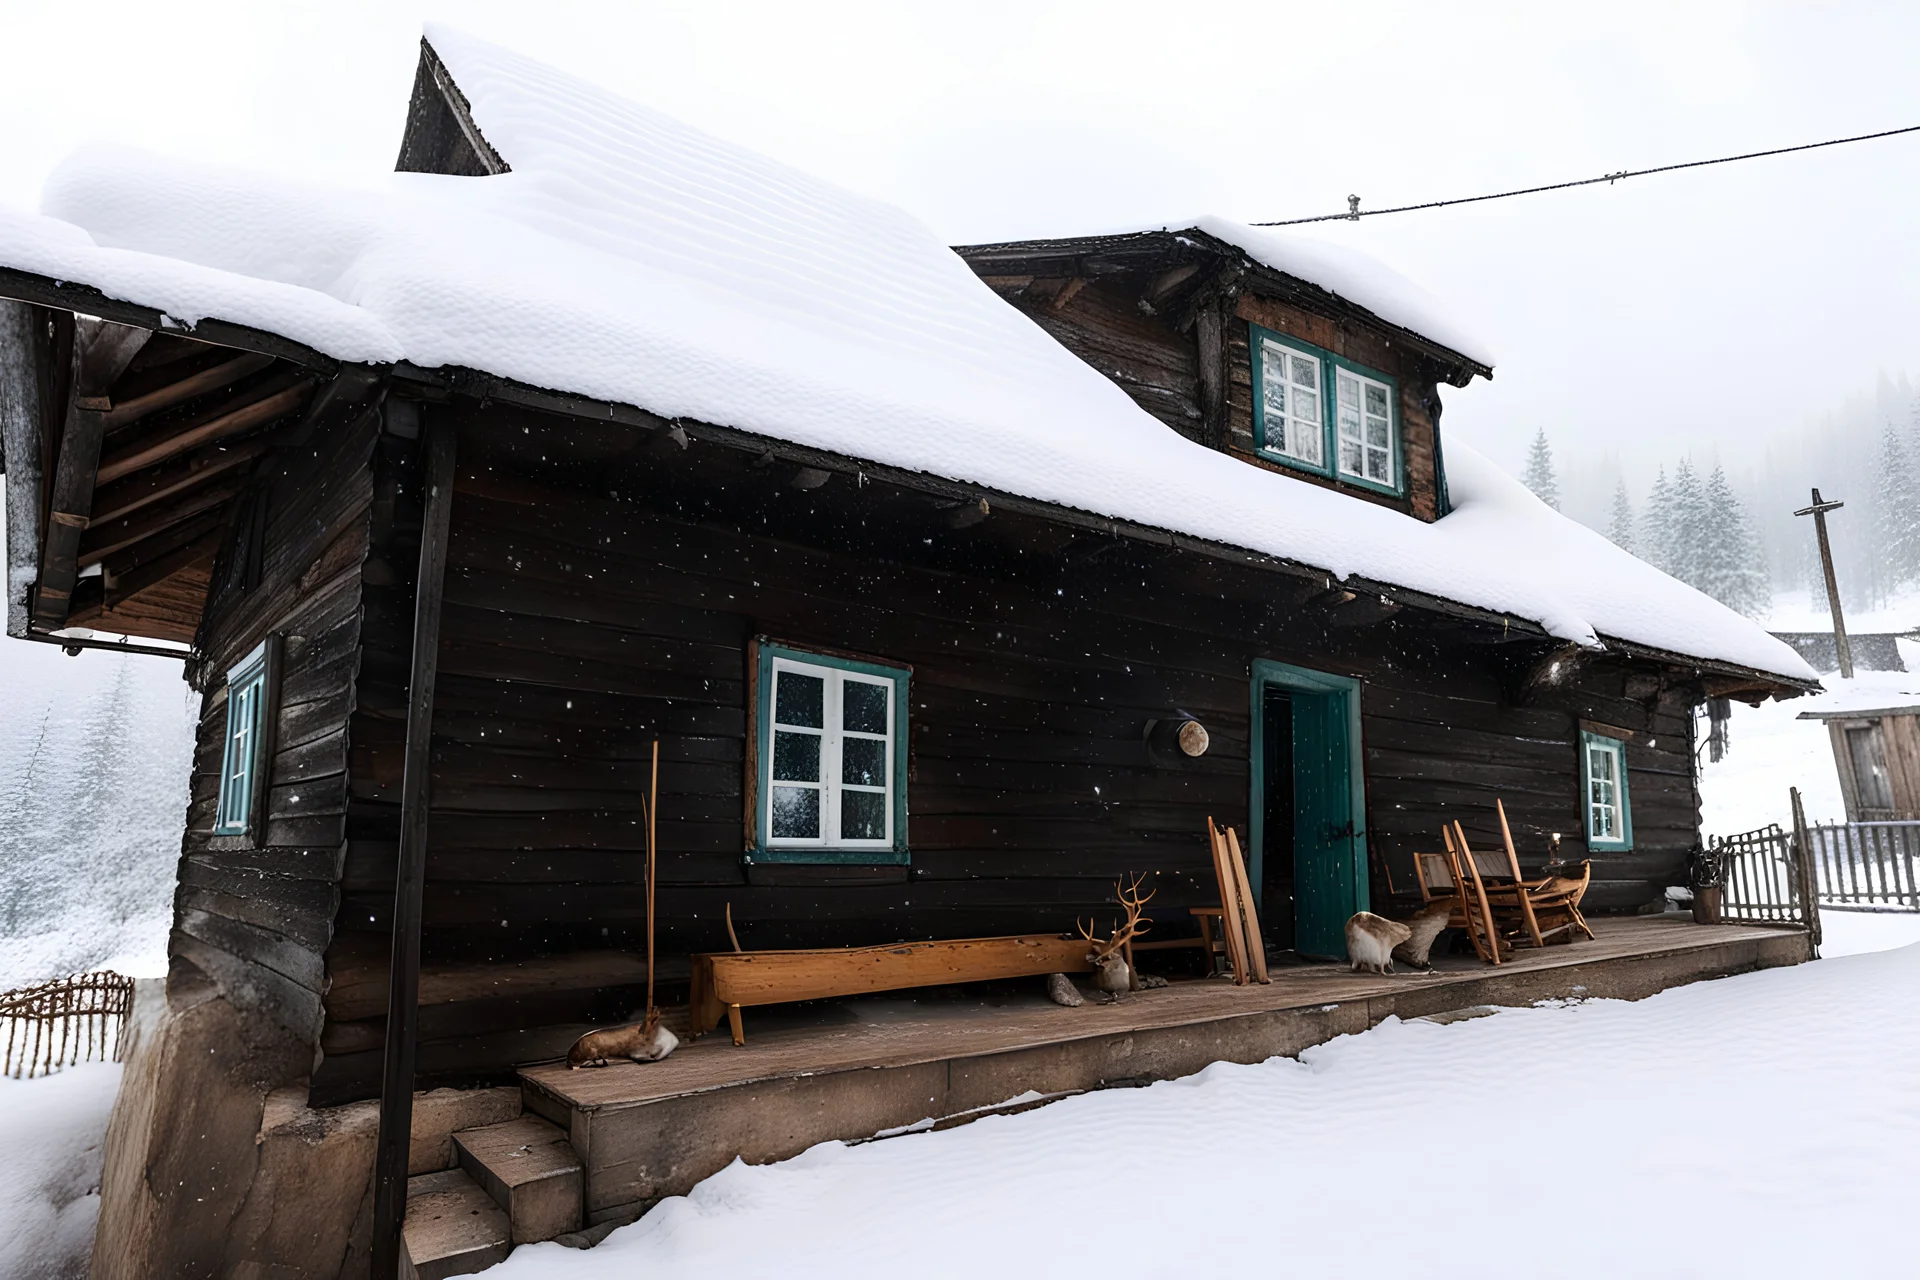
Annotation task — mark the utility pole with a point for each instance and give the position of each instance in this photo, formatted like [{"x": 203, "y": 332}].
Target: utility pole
[{"x": 1841, "y": 648}]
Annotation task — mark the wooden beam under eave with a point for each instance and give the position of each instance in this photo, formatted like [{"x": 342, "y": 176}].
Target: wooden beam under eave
[
  {"x": 123, "y": 497},
  {"x": 229, "y": 420},
  {"x": 102, "y": 352},
  {"x": 127, "y": 412},
  {"x": 102, "y": 541},
  {"x": 124, "y": 561},
  {"x": 198, "y": 554}
]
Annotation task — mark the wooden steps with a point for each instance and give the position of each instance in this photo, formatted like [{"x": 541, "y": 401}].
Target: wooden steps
[
  {"x": 453, "y": 1227},
  {"x": 516, "y": 1183},
  {"x": 530, "y": 1169}
]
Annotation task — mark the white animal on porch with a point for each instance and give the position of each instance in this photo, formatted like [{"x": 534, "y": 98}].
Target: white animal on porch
[
  {"x": 1371, "y": 940},
  {"x": 644, "y": 1041},
  {"x": 1426, "y": 926},
  {"x": 1112, "y": 975}
]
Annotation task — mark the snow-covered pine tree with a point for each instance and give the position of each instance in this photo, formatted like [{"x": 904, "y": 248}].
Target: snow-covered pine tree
[
  {"x": 1732, "y": 565},
  {"x": 1656, "y": 529},
  {"x": 1686, "y": 524},
  {"x": 1621, "y": 527},
  {"x": 1896, "y": 516},
  {"x": 1539, "y": 475}
]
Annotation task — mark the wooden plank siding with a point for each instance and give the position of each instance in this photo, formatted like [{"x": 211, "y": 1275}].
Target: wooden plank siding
[
  {"x": 256, "y": 915},
  {"x": 594, "y": 601}
]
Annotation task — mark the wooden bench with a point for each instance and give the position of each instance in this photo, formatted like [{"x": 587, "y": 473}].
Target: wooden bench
[{"x": 724, "y": 982}]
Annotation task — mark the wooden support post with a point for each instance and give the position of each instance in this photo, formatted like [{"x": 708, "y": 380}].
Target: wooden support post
[{"x": 403, "y": 989}]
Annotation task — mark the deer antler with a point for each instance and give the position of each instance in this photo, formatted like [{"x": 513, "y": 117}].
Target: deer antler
[{"x": 1132, "y": 902}]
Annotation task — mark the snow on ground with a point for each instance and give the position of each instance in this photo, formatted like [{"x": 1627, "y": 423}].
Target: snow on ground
[
  {"x": 95, "y": 753},
  {"x": 52, "y": 1131},
  {"x": 1852, "y": 933},
  {"x": 1768, "y": 751},
  {"x": 630, "y": 258},
  {"x": 1758, "y": 1126}
]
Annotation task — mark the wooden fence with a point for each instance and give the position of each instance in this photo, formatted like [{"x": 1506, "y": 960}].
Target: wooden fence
[
  {"x": 1867, "y": 866},
  {"x": 1764, "y": 881},
  {"x": 66, "y": 1021}
]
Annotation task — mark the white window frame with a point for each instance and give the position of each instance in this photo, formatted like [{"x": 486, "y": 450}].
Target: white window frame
[
  {"x": 243, "y": 755},
  {"x": 1618, "y": 807},
  {"x": 1360, "y": 382},
  {"x": 1293, "y": 430},
  {"x": 832, "y": 734}
]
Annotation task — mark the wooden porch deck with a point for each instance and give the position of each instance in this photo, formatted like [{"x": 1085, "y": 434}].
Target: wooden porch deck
[{"x": 852, "y": 1068}]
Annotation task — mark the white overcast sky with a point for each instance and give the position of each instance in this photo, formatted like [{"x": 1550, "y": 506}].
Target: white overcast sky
[{"x": 1711, "y": 309}]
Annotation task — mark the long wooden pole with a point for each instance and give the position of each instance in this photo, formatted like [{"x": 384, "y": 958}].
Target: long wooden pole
[
  {"x": 653, "y": 814},
  {"x": 409, "y": 888},
  {"x": 1842, "y": 649}
]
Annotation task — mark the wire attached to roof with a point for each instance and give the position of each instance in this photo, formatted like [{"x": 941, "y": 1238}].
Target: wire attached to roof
[{"x": 1354, "y": 212}]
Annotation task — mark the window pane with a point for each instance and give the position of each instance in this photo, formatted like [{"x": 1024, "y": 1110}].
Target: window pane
[
  {"x": 796, "y": 757},
  {"x": 797, "y": 699},
  {"x": 1350, "y": 463},
  {"x": 1306, "y": 406},
  {"x": 1349, "y": 392},
  {"x": 863, "y": 762},
  {"x": 1380, "y": 466},
  {"x": 1306, "y": 373},
  {"x": 863, "y": 815},
  {"x": 1377, "y": 432},
  {"x": 864, "y": 706},
  {"x": 796, "y": 813},
  {"x": 1376, "y": 399}
]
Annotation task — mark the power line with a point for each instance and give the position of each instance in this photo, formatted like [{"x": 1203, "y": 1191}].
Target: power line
[{"x": 1354, "y": 212}]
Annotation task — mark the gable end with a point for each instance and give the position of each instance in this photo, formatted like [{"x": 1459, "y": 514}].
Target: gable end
[{"x": 441, "y": 136}]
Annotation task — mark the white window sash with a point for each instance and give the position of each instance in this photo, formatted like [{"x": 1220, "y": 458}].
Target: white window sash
[
  {"x": 1354, "y": 433},
  {"x": 833, "y": 734},
  {"x": 1604, "y": 769},
  {"x": 1283, "y": 432}
]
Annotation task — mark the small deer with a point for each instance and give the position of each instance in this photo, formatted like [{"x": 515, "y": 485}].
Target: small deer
[{"x": 1111, "y": 973}]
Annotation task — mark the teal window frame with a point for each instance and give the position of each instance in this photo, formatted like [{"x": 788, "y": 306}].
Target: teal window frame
[
  {"x": 1589, "y": 742},
  {"x": 244, "y": 750},
  {"x": 1258, "y": 337},
  {"x": 769, "y": 659}
]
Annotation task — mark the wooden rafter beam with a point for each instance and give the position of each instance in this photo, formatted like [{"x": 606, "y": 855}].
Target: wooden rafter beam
[
  {"x": 156, "y": 484},
  {"x": 192, "y": 555},
  {"x": 127, "y": 412},
  {"x": 101, "y": 354},
  {"x": 252, "y": 408},
  {"x": 120, "y": 566},
  {"x": 112, "y": 537}
]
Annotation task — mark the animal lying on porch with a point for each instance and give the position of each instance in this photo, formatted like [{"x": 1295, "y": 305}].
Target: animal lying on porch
[
  {"x": 1112, "y": 975},
  {"x": 644, "y": 1041},
  {"x": 1371, "y": 940},
  {"x": 1426, "y": 926}
]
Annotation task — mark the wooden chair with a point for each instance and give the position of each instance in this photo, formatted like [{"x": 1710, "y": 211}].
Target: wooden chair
[
  {"x": 1475, "y": 912},
  {"x": 1535, "y": 912}
]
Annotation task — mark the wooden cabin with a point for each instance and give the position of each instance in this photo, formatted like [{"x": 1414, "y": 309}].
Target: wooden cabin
[
  {"x": 894, "y": 699},
  {"x": 1874, "y": 727}
]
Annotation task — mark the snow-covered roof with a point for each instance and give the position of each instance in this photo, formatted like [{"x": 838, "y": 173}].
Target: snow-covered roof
[
  {"x": 1869, "y": 693},
  {"x": 627, "y": 257},
  {"x": 1346, "y": 273}
]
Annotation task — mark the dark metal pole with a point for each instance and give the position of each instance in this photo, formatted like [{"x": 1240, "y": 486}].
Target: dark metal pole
[
  {"x": 1842, "y": 650},
  {"x": 403, "y": 987}
]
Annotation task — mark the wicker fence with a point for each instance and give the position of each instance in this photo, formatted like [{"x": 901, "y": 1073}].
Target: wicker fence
[
  {"x": 1867, "y": 866},
  {"x": 66, "y": 1021}
]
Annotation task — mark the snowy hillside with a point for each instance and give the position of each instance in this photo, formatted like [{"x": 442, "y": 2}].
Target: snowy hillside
[{"x": 94, "y": 757}]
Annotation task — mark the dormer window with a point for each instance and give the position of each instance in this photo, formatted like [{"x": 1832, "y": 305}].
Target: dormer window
[{"x": 1315, "y": 411}]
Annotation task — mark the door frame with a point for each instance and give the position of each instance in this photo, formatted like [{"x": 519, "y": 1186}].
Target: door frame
[{"x": 1266, "y": 672}]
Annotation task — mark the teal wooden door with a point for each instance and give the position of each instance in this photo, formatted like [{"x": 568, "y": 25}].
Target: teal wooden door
[{"x": 1328, "y": 819}]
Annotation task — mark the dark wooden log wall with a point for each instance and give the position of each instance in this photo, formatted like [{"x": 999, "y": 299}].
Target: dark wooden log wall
[
  {"x": 257, "y": 920},
  {"x": 581, "y": 621}
]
